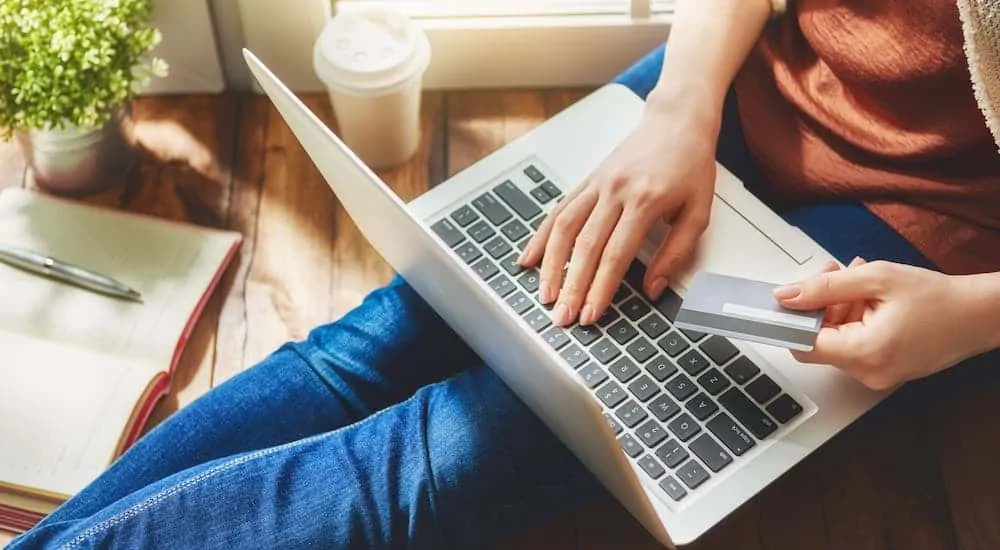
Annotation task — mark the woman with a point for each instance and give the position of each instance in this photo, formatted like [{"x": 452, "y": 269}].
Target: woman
[{"x": 384, "y": 430}]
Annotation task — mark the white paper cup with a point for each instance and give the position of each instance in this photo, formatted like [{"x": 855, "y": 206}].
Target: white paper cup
[{"x": 373, "y": 65}]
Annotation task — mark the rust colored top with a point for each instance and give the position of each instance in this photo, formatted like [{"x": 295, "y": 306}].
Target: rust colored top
[{"x": 871, "y": 100}]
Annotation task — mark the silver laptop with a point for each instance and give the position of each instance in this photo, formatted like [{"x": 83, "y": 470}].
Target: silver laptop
[{"x": 681, "y": 427}]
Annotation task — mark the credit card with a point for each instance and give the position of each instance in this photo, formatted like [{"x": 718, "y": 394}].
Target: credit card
[{"x": 746, "y": 309}]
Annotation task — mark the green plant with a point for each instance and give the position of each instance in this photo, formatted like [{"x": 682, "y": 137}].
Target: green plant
[{"x": 72, "y": 62}]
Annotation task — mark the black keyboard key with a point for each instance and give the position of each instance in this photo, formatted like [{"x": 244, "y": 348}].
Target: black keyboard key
[
  {"x": 485, "y": 269},
  {"x": 574, "y": 355},
  {"x": 490, "y": 207},
  {"x": 748, "y": 414},
  {"x": 623, "y": 293},
  {"x": 607, "y": 317},
  {"x": 651, "y": 466},
  {"x": 468, "y": 252},
  {"x": 653, "y": 326},
  {"x": 594, "y": 376},
  {"x": 673, "y": 343},
  {"x": 635, "y": 274},
  {"x": 681, "y": 387},
  {"x": 630, "y": 445},
  {"x": 651, "y": 433},
  {"x": 537, "y": 223},
  {"x": 529, "y": 280},
  {"x": 661, "y": 368},
  {"x": 673, "y": 488},
  {"x": 643, "y": 388},
  {"x": 730, "y": 434},
  {"x": 635, "y": 308},
  {"x": 692, "y": 474},
  {"x": 641, "y": 350},
  {"x": 710, "y": 452},
  {"x": 693, "y": 335},
  {"x": 524, "y": 243},
  {"x": 605, "y": 351},
  {"x": 742, "y": 370},
  {"x": 624, "y": 369},
  {"x": 622, "y": 331},
  {"x": 763, "y": 389},
  {"x": 631, "y": 413},
  {"x": 701, "y": 406},
  {"x": 616, "y": 428},
  {"x": 713, "y": 381},
  {"x": 538, "y": 320},
  {"x": 586, "y": 335},
  {"x": 534, "y": 173},
  {"x": 611, "y": 394},
  {"x": 519, "y": 303},
  {"x": 503, "y": 286},
  {"x": 693, "y": 362},
  {"x": 481, "y": 231},
  {"x": 684, "y": 427},
  {"x": 448, "y": 233},
  {"x": 719, "y": 349},
  {"x": 668, "y": 304},
  {"x": 517, "y": 200},
  {"x": 664, "y": 408},
  {"x": 556, "y": 338},
  {"x": 784, "y": 408},
  {"x": 514, "y": 231},
  {"x": 672, "y": 453},
  {"x": 540, "y": 195},
  {"x": 464, "y": 216},
  {"x": 510, "y": 265},
  {"x": 497, "y": 248},
  {"x": 552, "y": 189}
]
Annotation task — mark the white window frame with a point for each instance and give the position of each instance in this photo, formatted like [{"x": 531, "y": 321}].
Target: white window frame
[{"x": 515, "y": 44}]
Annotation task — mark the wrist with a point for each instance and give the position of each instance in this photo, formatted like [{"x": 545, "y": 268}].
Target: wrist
[
  {"x": 980, "y": 300},
  {"x": 691, "y": 104}
]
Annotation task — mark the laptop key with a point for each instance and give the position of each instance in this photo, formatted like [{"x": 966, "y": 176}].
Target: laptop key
[
  {"x": 468, "y": 252},
  {"x": 763, "y": 389},
  {"x": 448, "y": 233},
  {"x": 681, "y": 387},
  {"x": 710, "y": 452},
  {"x": 668, "y": 304},
  {"x": 719, "y": 349},
  {"x": 692, "y": 474},
  {"x": 529, "y": 280},
  {"x": 510, "y": 265},
  {"x": 556, "y": 338},
  {"x": 534, "y": 173},
  {"x": 537, "y": 223},
  {"x": 693, "y": 335},
  {"x": 519, "y": 303},
  {"x": 631, "y": 413},
  {"x": 673, "y": 488},
  {"x": 742, "y": 370},
  {"x": 611, "y": 394},
  {"x": 497, "y": 248},
  {"x": 664, "y": 408},
  {"x": 502, "y": 286},
  {"x": 684, "y": 427},
  {"x": 713, "y": 381},
  {"x": 485, "y": 269},
  {"x": 514, "y": 231},
  {"x": 464, "y": 216},
  {"x": 672, "y": 453},
  {"x": 538, "y": 320},
  {"x": 605, "y": 351},
  {"x": 552, "y": 189},
  {"x": 540, "y": 195},
  {"x": 624, "y": 369},
  {"x": 517, "y": 200},
  {"x": 524, "y": 243},
  {"x": 651, "y": 466},
  {"x": 730, "y": 434},
  {"x": 630, "y": 445},
  {"x": 693, "y": 362},
  {"x": 574, "y": 355},
  {"x": 586, "y": 335},
  {"x": 651, "y": 433},
  {"x": 635, "y": 308},
  {"x": 748, "y": 414},
  {"x": 622, "y": 331},
  {"x": 481, "y": 231},
  {"x": 622, "y": 294},
  {"x": 607, "y": 317},
  {"x": 673, "y": 344},
  {"x": 635, "y": 274},
  {"x": 490, "y": 207},
  {"x": 701, "y": 406},
  {"x": 784, "y": 408},
  {"x": 616, "y": 428},
  {"x": 653, "y": 326},
  {"x": 661, "y": 368},
  {"x": 594, "y": 376},
  {"x": 641, "y": 350},
  {"x": 643, "y": 388}
]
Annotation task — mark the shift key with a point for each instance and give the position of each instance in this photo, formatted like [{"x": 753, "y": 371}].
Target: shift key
[
  {"x": 518, "y": 200},
  {"x": 747, "y": 413}
]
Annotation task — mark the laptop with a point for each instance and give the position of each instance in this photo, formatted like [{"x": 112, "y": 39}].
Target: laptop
[{"x": 681, "y": 427}]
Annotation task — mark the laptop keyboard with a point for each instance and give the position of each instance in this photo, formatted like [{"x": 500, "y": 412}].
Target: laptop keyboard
[{"x": 684, "y": 405}]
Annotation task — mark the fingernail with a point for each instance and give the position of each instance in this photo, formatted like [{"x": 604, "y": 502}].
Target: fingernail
[
  {"x": 544, "y": 293},
  {"x": 522, "y": 257},
  {"x": 587, "y": 316},
  {"x": 657, "y": 287},
  {"x": 787, "y": 292},
  {"x": 560, "y": 315}
]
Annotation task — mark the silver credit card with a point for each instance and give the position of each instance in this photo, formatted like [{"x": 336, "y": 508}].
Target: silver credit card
[{"x": 746, "y": 309}]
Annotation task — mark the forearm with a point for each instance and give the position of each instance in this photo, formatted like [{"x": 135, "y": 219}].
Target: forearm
[{"x": 708, "y": 42}]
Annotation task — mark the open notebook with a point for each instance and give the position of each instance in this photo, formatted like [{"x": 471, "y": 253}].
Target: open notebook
[{"x": 79, "y": 371}]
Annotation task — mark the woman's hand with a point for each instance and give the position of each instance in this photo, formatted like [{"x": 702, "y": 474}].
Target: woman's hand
[
  {"x": 889, "y": 323},
  {"x": 664, "y": 170}
]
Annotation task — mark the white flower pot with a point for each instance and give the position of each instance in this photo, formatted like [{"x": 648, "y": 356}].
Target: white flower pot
[{"x": 77, "y": 161}]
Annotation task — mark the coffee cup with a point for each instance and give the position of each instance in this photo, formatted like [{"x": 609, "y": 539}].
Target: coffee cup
[{"x": 373, "y": 63}]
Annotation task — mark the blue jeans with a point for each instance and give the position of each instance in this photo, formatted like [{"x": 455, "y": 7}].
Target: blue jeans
[{"x": 379, "y": 430}]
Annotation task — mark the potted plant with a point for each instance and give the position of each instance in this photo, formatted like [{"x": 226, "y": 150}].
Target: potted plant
[{"x": 69, "y": 70}]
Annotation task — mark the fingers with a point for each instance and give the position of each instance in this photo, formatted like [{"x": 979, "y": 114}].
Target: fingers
[
  {"x": 685, "y": 231},
  {"x": 622, "y": 247},
  {"x": 532, "y": 253},
  {"x": 837, "y": 346},
  {"x": 865, "y": 282},
  {"x": 566, "y": 225},
  {"x": 857, "y": 310},
  {"x": 835, "y": 314}
]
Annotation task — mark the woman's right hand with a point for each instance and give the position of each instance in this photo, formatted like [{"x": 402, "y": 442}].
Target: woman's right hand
[{"x": 664, "y": 170}]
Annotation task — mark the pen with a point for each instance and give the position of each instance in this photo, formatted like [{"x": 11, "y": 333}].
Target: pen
[{"x": 41, "y": 264}]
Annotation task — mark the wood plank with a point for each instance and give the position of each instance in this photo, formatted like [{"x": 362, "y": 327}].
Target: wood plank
[{"x": 480, "y": 122}]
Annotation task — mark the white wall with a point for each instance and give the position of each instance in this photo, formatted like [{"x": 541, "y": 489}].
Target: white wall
[{"x": 189, "y": 46}]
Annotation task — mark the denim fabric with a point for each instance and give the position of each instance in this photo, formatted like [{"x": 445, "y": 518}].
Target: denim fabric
[{"x": 380, "y": 430}]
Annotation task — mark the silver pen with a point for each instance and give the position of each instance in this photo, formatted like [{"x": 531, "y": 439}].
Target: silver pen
[{"x": 41, "y": 264}]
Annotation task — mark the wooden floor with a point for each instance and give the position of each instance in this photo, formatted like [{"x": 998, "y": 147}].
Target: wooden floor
[{"x": 919, "y": 473}]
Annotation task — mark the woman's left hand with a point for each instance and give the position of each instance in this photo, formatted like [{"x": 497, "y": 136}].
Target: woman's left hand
[{"x": 890, "y": 323}]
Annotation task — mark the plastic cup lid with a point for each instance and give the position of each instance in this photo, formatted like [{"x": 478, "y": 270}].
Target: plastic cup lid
[{"x": 370, "y": 52}]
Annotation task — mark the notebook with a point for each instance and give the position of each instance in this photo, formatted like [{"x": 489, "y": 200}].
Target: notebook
[{"x": 80, "y": 372}]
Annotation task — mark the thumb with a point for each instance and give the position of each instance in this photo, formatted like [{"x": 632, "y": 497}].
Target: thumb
[
  {"x": 826, "y": 289},
  {"x": 684, "y": 233}
]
